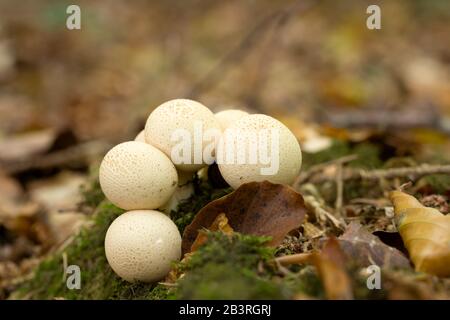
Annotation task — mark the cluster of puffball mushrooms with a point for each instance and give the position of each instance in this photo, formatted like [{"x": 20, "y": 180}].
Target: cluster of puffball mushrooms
[{"x": 140, "y": 177}]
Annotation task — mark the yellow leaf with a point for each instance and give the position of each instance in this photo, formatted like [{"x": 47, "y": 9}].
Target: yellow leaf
[
  {"x": 425, "y": 232},
  {"x": 220, "y": 223}
]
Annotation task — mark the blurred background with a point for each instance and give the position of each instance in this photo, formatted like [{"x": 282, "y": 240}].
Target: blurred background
[{"x": 67, "y": 95}]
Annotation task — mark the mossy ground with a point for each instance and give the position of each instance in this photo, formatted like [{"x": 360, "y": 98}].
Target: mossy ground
[
  {"x": 98, "y": 281},
  {"x": 237, "y": 267}
]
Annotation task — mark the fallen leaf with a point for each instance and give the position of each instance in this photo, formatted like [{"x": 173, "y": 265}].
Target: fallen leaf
[
  {"x": 219, "y": 224},
  {"x": 26, "y": 145},
  {"x": 258, "y": 208},
  {"x": 331, "y": 265},
  {"x": 367, "y": 249},
  {"x": 61, "y": 192},
  {"x": 425, "y": 232}
]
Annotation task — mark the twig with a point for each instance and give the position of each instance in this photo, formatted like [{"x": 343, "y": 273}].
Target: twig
[
  {"x": 168, "y": 284},
  {"x": 411, "y": 173},
  {"x": 304, "y": 176},
  {"x": 65, "y": 265},
  {"x": 80, "y": 152},
  {"x": 314, "y": 205},
  {"x": 339, "y": 190},
  {"x": 299, "y": 258}
]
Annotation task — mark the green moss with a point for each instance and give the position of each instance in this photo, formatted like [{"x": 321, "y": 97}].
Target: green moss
[
  {"x": 91, "y": 191},
  {"x": 338, "y": 148},
  {"x": 98, "y": 281},
  {"x": 242, "y": 267},
  {"x": 305, "y": 281},
  {"x": 242, "y": 250},
  {"x": 227, "y": 268},
  {"x": 227, "y": 281},
  {"x": 368, "y": 154}
]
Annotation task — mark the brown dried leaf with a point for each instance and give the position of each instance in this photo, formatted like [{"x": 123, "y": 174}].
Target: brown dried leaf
[
  {"x": 367, "y": 249},
  {"x": 219, "y": 224},
  {"x": 330, "y": 264},
  {"x": 258, "y": 208}
]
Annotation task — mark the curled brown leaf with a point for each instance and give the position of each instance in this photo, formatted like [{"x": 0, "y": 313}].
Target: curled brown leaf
[{"x": 257, "y": 208}]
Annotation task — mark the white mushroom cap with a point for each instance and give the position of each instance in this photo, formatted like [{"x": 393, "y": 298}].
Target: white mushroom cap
[
  {"x": 140, "y": 245},
  {"x": 227, "y": 117},
  {"x": 140, "y": 137},
  {"x": 135, "y": 175},
  {"x": 176, "y": 116},
  {"x": 287, "y": 152}
]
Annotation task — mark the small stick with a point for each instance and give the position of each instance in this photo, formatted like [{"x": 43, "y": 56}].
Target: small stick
[
  {"x": 379, "y": 174},
  {"x": 65, "y": 265},
  {"x": 80, "y": 152},
  {"x": 299, "y": 258},
  {"x": 304, "y": 176},
  {"x": 339, "y": 190},
  {"x": 314, "y": 205}
]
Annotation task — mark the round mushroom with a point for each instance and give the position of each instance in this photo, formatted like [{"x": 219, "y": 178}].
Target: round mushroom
[
  {"x": 227, "y": 117},
  {"x": 178, "y": 128},
  {"x": 140, "y": 137},
  {"x": 256, "y": 148},
  {"x": 140, "y": 245},
  {"x": 135, "y": 175}
]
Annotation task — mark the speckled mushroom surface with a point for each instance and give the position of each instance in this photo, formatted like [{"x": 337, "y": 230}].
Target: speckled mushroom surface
[
  {"x": 136, "y": 175},
  {"x": 227, "y": 117},
  {"x": 140, "y": 137},
  {"x": 179, "y": 114},
  {"x": 288, "y": 152},
  {"x": 140, "y": 245}
]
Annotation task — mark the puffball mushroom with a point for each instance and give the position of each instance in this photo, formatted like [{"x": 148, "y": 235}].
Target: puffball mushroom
[
  {"x": 256, "y": 148},
  {"x": 227, "y": 117},
  {"x": 140, "y": 137},
  {"x": 135, "y": 175},
  {"x": 140, "y": 245},
  {"x": 178, "y": 127}
]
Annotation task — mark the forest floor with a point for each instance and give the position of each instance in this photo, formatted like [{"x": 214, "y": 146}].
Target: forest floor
[
  {"x": 226, "y": 264},
  {"x": 371, "y": 110}
]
